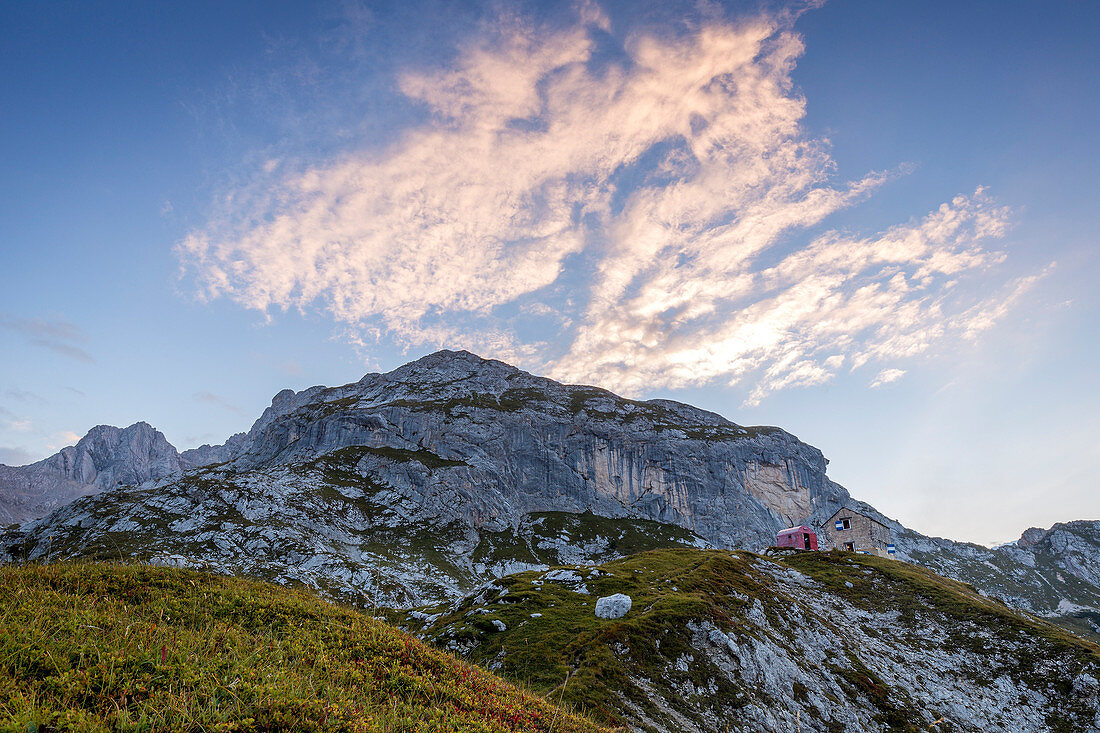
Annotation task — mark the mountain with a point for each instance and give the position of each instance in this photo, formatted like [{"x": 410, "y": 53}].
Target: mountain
[
  {"x": 419, "y": 485},
  {"x": 104, "y": 458},
  {"x": 714, "y": 640},
  {"x": 94, "y": 647},
  {"x": 1049, "y": 572}
]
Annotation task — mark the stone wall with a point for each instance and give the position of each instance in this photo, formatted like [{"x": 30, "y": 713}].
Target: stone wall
[{"x": 863, "y": 533}]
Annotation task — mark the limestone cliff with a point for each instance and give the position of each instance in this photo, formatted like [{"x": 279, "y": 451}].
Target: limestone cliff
[{"x": 505, "y": 444}]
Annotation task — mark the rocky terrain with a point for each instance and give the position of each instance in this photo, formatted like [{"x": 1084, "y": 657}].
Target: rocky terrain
[
  {"x": 422, "y": 483},
  {"x": 711, "y": 641}
]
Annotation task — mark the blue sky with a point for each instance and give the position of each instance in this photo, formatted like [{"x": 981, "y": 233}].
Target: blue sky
[{"x": 873, "y": 224}]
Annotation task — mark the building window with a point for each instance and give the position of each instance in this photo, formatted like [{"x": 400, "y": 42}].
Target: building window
[
  {"x": 845, "y": 523},
  {"x": 850, "y": 546}
]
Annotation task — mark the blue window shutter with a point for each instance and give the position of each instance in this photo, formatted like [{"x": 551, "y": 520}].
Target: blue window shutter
[
  {"x": 890, "y": 548},
  {"x": 839, "y": 524}
]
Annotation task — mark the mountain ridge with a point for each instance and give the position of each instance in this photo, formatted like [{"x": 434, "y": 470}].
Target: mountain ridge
[{"x": 468, "y": 461}]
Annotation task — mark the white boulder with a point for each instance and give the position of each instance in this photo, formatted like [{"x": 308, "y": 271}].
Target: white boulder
[{"x": 614, "y": 606}]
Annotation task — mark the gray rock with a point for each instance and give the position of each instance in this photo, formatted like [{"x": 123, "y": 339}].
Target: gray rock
[
  {"x": 613, "y": 606},
  {"x": 206, "y": 455},
  {"x": 531, "y": 444}
]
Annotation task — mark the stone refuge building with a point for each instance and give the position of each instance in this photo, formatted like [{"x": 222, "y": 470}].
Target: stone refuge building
[{"x": 849, "y": 530}]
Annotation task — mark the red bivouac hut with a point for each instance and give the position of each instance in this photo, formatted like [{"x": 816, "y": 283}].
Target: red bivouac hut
[{"x": 802, "y": 538}]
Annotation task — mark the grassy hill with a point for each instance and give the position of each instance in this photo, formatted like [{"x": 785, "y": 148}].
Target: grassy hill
[
  {"x": 132, "y": 647},
  {"x": 821, "y": 641}
]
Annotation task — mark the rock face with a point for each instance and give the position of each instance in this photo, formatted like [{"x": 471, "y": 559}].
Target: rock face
[
  {"x": 504, "y": 444},
  {"x": 206, "y": 455},
  {"x": 104, "y": 458}
]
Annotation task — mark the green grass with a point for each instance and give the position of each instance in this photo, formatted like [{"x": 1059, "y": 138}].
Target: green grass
[
  {"x": 132, "y": 647},
  {"x": 510, "y": 400},
  {"x": 913, "y": 589},
  {"x": 346, "y": 459}
]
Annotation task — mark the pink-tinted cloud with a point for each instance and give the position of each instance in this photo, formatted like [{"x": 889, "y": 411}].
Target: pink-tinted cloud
[{"x": 647, "y": 211}]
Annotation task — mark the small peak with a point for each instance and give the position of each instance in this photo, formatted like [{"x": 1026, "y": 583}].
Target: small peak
[
  {"x": 446, "y": 356},
  {"x": 451, "y": 362},
  {"x": 448, "y": 367},
  {"x": 99, "y": 431},
  {"x": 1031, "y": 536},
  {"x": 283, "y": 396}
]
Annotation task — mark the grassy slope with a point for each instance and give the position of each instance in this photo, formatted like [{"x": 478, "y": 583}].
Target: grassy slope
[
  {"x": 668, "y": 588},
  {"x": 96, "y": 647},
  {"x": 569, "y": 654}
]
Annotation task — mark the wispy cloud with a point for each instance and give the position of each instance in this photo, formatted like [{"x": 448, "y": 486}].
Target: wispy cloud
[
  {"x": 631, "y": 220},
  {"x": 886, "y": 376},
  {"x": 14, "y": 422},
  {"x": 23, "y": 395},
  {"x": 15, "y": 456},
  {"x": 57, "y": 335},
  {"x": 212, "y": 399}
]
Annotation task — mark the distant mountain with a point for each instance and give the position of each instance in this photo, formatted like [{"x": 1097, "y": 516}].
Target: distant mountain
[
  {"x": 715, "y": 641},
  {"x": 104, "y": 458},
  {"x": 420, "y": 484},
  {"x": 1049, "y": 572}
]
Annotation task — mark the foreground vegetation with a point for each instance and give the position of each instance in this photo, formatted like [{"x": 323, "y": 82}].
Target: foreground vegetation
[{"x": 133, "y": 647}]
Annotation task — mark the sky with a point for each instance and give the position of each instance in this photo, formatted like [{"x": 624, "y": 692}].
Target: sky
[{"x": 872, "y": 224}]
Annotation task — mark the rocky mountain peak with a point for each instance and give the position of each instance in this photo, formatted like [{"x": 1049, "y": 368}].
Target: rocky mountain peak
[
  {"x": 455, "y": 371},
  {"x": 450, "y": 362},
  {"x": 105, "y": 457},
  {"x": 1031, "y": 536}
]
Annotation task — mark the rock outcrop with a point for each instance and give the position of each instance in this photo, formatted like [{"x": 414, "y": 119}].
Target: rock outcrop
[{"x": 206, "y": 455}]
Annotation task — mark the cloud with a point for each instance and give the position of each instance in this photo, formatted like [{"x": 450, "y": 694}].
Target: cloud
[
  {"x": 289, "y": 367},
  {"x": 886, "y": 376},
  {"x": 643, "y": 219},
  {"x": 57, "y": 335},
  {"x": 15, "y": 456},
  {"x": 23, "y": 395},
  {"x": 212, "y": 399},
  {"x": 14, "y": 422}
]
